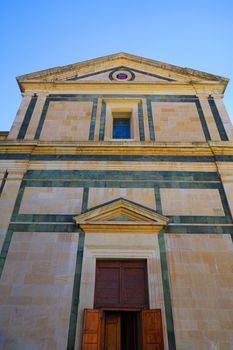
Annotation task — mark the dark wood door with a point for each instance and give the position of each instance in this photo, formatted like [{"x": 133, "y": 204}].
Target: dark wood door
[
  {"x": 91, "y": 330},
  {"x": 121, "y": 284},
  {"x": 152, "y": 332}
]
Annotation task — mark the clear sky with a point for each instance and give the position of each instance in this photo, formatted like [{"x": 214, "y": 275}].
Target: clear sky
[{"x": 37, "y": 35}]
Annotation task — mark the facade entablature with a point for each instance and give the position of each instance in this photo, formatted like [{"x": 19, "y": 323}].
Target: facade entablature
[
  {"x": 134, "y": 148},
  {"x": 186, "y": 88}
]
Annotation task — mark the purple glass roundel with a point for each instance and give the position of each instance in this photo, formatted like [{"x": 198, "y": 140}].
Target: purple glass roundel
[{"x": 121, "y": 76}]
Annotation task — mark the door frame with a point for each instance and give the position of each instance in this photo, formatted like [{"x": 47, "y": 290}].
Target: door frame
[
  {"x": 94, "y": 249},
  {"x": 116, "y": 309}
]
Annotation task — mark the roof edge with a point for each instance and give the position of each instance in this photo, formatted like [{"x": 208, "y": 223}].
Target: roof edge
[{"x": 159, "y": 64}]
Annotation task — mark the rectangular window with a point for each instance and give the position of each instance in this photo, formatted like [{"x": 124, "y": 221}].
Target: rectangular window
[{"x": 121, "y": 125}]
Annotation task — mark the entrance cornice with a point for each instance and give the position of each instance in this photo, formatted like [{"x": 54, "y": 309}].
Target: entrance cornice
[{"x": 121, "y": 216}]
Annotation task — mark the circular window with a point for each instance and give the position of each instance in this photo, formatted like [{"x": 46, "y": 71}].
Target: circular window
[{"x": 121, "y": 76}]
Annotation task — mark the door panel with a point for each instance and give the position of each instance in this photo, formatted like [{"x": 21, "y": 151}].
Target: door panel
[
  {"x": 91, "y": 330},
  {"x": 152, "y": 333},
  {"x": 121, "y": 284},
  {"x": 107, "y": 289},
  {"x": 133, "y": 286},
  {"x": 112, "y": 332}
]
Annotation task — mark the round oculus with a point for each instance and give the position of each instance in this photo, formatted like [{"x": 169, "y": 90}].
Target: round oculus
[{"x": 121, "y": 75}]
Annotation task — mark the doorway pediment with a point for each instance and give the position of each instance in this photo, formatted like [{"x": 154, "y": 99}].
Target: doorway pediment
[{"x": 121, "y": 216}]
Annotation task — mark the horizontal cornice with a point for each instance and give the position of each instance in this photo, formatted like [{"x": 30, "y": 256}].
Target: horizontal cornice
[
  {"x": 218, "y": 148},
  {"x": 210, "y": 87}
]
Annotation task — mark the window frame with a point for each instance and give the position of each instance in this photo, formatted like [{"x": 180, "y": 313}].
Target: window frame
[
  {"x": 122, "y": 115},
  {"x": 114, "y": 106}
]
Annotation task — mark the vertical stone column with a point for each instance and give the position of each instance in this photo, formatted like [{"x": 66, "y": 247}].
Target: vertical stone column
[
  {"x": 97, "y": 122},
  {"x": 145, "y": 116},
  {"x": 212, "y": 127},
  {"x": 226, "y": 173},
  {"x": 30, "y": 134},
  {"x": 224, "y": 116},
  {"x": 8, "y": 198},
  {"x": 2, "y": 173},
  {"x": 20, "y": 116}
]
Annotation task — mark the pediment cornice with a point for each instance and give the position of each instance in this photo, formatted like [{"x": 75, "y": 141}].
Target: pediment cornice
[
  {"x": 121, "y": 216},
  {"x": 93, "y": 66}
]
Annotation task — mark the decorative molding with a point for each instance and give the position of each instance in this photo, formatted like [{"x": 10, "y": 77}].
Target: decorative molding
[{"x": 121, "y": 216}]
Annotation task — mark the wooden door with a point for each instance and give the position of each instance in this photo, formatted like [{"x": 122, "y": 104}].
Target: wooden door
[
  {"x": 91, "y": 330},
  {"x": 152, "y": 332},
  {"x": 112, "y": 331},
  {"x": 121, "y": 284}
]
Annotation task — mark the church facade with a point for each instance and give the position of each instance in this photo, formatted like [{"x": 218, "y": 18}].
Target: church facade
[{"x": 116, "y": 206}]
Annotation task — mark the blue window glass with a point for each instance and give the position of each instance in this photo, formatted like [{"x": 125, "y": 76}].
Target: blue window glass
[
  {"x": 122, "y": 76},
  {"x": 121, "y": 128}
]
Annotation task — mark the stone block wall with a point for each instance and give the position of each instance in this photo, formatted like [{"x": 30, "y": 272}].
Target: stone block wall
[
  {"x": 200, "y": 273},
  {"x": 78, "y": 117},
  {"x": 36, "y": 291}
]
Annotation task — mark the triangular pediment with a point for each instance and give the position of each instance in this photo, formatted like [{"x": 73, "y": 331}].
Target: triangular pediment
[
  {"x": 99, "y": 70},
  {"x": 121, "y": 215},
  {"x": 110, "y": 75}
]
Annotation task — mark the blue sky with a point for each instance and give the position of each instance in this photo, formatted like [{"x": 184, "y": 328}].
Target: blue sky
[{"x": 38, "y": 35}]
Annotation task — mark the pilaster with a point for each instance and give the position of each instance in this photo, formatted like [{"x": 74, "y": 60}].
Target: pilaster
[
  {"x": 224, "y": 116},
  {"x": 20, "y": 115},
  {"x": 8, "y": 199},
  {"x": 214, "y": 134},
  {"x": 30, "y": 134}
]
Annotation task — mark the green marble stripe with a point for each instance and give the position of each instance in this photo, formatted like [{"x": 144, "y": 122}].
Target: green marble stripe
[
  {"x": 218, "y": 119},
  {"x": 85, "y": 97},
  {"x": 158, "y": 201},
  {"x": 77, "y": 280},
  {"x": 196, "y": 229},
  {"x": 8, "y": 237},
  {"x": 75, "y": 294},
  {"x": 27, "y": 118},
  {"x": 68, "y": 227},
  {"x": 121, "y": 175},
  {"x": 123, "y": 184},
  {"x": 5, "y": 249},
  {"x": 203, "y": 121},
  {"x": 73, "y": 97},
  {"x": 223, "y": 158},
  {"x": 225, "y": 204},
  {"x": 42, "y": 227},
  {"x": 53, "y": 218},
  {"x": 85, "y": 199},
  {"x": 141, "y": 124},
  {"x": 18, "y": 201},
  {"x": 93, "y": 119},
  {"x": 102, "y": 121},
  {"x": 166, "y": 292},
  {"x": 42, "y": 119},
  {"x": 150, "y": 120},
  {"x": 3, "y": 182},
  {"x": 42, "y": 218},
  {"x": 181, "y": 219},
  {"x": 116, "y": 158}
]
